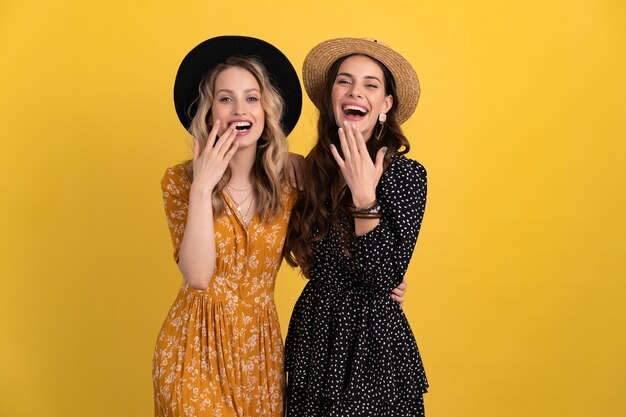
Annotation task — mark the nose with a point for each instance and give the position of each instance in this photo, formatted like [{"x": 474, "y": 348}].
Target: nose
[
  {"x": 355, "y": 91},
  {"x": 240, "y": 108}
]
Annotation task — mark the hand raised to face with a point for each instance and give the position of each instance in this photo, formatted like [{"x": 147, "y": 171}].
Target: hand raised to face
[
  {"x": 210, "y": 163},
  {"x": 359, "y": 171}
]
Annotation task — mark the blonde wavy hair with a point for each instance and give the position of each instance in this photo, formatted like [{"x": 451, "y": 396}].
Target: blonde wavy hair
[{"x": 268, "y": 171}]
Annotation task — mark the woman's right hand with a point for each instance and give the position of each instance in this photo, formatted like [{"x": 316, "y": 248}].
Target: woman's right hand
[
  {"x": 359, "y": 171},
  {"x": 295, "y": 170},
  {"x": 210, "y": 163},
  {"x": 398, "y": 293}
]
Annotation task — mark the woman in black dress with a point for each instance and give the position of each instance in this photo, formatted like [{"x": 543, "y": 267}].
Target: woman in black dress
[{"x": 349, "y": 349}]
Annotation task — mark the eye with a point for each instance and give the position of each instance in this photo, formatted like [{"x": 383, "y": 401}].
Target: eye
[
  {"x": 371, "y": 85},
  {"x": 343, "y": 81},
  {"x": 253, "y": 99},
  {"x": 225, "y": 99}
]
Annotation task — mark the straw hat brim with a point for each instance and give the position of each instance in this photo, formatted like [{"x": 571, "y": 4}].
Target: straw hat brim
[
  {"x": 217, "y": 50},
  {"x": 319, "y": 60}
]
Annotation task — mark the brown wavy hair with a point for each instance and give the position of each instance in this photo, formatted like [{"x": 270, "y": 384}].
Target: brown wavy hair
[
  {"x": 269, "y": 166},
  {"x": 325, "y": 200}
]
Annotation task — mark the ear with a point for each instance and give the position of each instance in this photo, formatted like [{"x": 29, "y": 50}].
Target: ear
[{"x": 387, "y": 103}]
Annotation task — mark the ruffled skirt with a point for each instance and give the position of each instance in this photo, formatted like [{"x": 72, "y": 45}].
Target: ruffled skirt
[
  {"x": 350, "y": 351},
  {"x": 213, "y": 358}
]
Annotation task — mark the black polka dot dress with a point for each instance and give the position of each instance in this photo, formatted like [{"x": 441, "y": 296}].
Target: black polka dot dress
[{"x": 350, "y": 351}]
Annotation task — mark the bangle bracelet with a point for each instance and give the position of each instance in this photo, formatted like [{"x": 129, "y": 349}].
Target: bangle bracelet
[
  {"x": 376, "y": 215},
  {"x": 372, "y": 208}
]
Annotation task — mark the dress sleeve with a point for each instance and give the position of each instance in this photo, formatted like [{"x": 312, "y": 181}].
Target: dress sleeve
[
  {"x": 175, "y": 186},
  {"x": 289, "y": 197},
  {"x": 382, "y": 255}
]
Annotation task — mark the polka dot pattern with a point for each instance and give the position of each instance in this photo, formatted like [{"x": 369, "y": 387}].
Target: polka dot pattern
[{"x": 350, "y": 350}]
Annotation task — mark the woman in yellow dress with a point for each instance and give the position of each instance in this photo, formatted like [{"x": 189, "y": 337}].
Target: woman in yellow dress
[{"x": 220, "y": 351}]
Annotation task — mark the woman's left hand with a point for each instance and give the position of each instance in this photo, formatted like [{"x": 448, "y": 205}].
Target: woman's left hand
[
  {"x": 398, "y": 293},
  {"x": 359, "y": 171}
]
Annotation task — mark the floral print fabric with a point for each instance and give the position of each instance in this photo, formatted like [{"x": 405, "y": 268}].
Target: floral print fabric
[{"x": 220, "y": 351}]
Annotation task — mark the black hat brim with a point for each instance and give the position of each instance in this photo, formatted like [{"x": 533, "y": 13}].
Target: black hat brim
[{"x": 217, "y": 50}]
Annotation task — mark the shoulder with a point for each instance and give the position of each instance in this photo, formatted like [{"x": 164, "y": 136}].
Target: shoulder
[
  {"x": 175, "y": 179},
  {"x": 403, "y": 171},
  {"x": 403, "y": 186},
  {"x": 288, "y": 195}
]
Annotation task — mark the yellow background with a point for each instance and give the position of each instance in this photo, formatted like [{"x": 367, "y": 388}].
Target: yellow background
[{"x": 517, "y": 286}]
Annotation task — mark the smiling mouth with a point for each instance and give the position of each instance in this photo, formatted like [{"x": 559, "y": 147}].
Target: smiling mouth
[
  {"x": 243, "y": 126},
  {"x": 352, "y": 110}
]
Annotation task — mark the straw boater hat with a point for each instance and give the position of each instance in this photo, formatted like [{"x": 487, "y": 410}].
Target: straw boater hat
[
  {"x": 215, "y": 51},
  {"x": 321, "y": 58}
]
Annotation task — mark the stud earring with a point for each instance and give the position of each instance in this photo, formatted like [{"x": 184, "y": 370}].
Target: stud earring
[{"x": 382, "y": 117}]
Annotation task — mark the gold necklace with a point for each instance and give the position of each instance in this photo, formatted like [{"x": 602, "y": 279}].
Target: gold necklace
[
  {"x": 237, "y": 189},
  {"x": 244, "y": 216}
]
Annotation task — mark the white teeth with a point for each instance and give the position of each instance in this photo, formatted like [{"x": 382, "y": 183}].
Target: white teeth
[
  {"x": 243, "y": 125},
  {"x": 352, "y": 107}
]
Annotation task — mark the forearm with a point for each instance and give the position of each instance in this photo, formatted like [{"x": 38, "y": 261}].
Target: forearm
[
  {"x": 196, "y": 259},
  {"x": 381, "y": 257},
  {"x": 363, "y": 226},
  {"x": 364, "y": 199},
  {"x": 382, "y": 254}
]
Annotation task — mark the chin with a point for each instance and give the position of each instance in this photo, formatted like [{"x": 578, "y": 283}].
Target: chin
[{"x": 248, "y": 140}]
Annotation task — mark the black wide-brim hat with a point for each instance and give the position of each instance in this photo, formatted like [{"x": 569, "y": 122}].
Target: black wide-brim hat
[{"x": 214, "y": 51}]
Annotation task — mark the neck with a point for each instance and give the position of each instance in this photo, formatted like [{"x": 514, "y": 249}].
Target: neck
[{"x": 241, "y": 166}]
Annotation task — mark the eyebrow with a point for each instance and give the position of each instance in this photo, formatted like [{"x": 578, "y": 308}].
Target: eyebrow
[
  {"x": 368, "y": 77},
  {"x": 249, "y": 90}
]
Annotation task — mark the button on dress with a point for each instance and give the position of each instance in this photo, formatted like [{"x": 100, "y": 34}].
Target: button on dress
[
  {"x": 350, "y": 351},
  {"x": 220, "y": 351}
]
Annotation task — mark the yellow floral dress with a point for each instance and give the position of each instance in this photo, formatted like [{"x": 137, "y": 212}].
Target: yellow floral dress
[{"x": 220, "y": 350}]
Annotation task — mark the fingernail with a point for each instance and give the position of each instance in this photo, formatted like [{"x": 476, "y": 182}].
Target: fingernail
[
  {"x": 345, "y": 123},
  {"x": 353, "y": 126},
  {"x": 340, "y": 129},
  {"x": 384, "y": 149},
  {"x": 332, "y": 146}
]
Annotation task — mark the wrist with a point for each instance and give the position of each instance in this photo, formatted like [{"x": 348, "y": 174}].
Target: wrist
[
  {"x": 202, "y": 193},
  {"x": 363, "y": 200}
]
